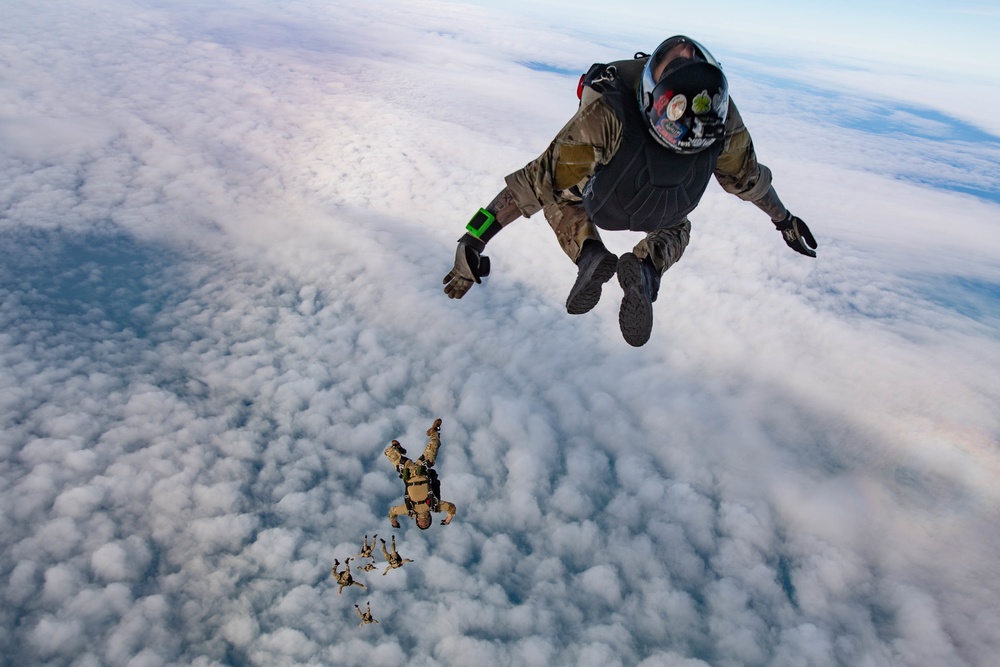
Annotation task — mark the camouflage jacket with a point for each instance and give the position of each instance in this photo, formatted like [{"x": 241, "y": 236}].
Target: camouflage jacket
[{"x": 593, "y": 135}]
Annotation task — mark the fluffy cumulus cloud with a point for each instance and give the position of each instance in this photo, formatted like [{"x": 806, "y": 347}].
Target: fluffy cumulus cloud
[{"x": 223, "y": 228}]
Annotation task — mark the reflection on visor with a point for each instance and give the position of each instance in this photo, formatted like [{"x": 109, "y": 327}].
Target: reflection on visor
[{"x": 701, "y": 54}]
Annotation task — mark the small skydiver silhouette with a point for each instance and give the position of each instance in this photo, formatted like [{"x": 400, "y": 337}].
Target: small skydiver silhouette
[
  {"x": 366, "y": 616},
  {"x": 393, "y": 559},
  {"x": 366, "y": 550},
  {"x": 344, "y": 578}
]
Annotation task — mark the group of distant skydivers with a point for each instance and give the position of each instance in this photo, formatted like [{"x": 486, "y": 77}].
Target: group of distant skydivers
[{"x": 422, "y": 495}]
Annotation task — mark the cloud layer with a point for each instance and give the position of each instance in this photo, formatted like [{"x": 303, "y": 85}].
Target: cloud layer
[{"x": 224, "y": 229}]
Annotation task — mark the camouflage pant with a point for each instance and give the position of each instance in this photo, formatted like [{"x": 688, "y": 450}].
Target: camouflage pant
[
  {"x": 572, "y": 227},
  {"x": 431, "y": 450},
  {"x": 397, "y": 457}
]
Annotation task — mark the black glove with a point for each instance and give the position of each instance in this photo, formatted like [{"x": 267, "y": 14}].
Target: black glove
[
  {"x": 796, "y": 234},
  {"x": 470, "y": 266}
]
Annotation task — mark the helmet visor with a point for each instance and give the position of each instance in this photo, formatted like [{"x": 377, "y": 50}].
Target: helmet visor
[{"x": 666, "y": 56}]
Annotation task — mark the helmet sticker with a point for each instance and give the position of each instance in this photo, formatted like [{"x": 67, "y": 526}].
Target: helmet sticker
[
  {"x": 677, "y": 107},
  {"x": 671, "y": 131},
  {"x": 720, "y": 101},
  {"x": 661, "y": 102},
  {"x": 700, "y": 143},
  {"x": 702, "y": 103}
]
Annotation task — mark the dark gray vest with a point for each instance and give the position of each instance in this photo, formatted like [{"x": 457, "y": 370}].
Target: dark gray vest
[{"x": 645, "y": 186}]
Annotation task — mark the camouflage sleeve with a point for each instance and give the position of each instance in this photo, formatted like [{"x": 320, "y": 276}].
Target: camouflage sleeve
[
  {"x": 397, "y": 510},
  {"x": 591, "y": 137},
  {"x": 445, "y": 506},
  {"x": 737, "y": 170}
]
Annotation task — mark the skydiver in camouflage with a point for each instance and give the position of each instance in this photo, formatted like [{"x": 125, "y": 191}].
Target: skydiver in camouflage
[
  {"x": 393, "y": 558},
  {"x": 423, "y": 489},
  {"x": 366, "y": 616},
  {"x": 344, "y": 578},
  {"x": 648, "y": 135},
  {"x": 366, "y": 549}
]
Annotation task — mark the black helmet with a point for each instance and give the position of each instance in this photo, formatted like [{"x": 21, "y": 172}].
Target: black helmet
[{"x": 687, "y": 103}]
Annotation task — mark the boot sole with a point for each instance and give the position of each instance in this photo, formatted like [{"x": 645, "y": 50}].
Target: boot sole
[
  {"x": 636, "y": 314},
  {"x": 586, "y": 291}
]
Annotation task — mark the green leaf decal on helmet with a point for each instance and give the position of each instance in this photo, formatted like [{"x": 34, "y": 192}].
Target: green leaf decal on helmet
[{"x": 702, "y": 103}]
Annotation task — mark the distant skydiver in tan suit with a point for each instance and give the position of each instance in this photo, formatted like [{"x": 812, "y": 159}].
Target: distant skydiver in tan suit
[{"x": 423, "y": 490}]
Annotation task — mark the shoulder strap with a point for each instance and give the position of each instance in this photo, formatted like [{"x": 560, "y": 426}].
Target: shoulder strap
[{"x": 600, "y": 76}]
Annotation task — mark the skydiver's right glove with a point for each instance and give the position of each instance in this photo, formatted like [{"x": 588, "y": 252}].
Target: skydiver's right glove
[
  {"x": 470, "y": 264},
  {"x": 796, "y": 234}
]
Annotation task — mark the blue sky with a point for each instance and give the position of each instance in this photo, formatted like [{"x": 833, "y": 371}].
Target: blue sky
[
  {"x": 957, "y": 35},
  {"x": 224, "y": 227}
]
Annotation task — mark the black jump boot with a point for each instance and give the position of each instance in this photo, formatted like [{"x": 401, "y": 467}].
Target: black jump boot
[
  {"x": 596, "y": 266},
  {"x": 641, "y": 281}
]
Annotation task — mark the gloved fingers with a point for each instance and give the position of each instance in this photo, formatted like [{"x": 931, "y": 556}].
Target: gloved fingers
[
  {"x": 799, "y": 246},
  {"x": 804, "y": 232},
  {"x": 457, "y": 286},
  {"x": 796, "y": 240}
]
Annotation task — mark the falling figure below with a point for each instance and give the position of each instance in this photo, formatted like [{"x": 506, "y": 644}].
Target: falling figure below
[
  {"x": 344, "y": 578},
  {"x": 422, "y": 494},
  {"x": 393, "y": 559},
  {"x": 366, "y": 616},
  {"x": 369, "y": 566},
  {"x": 367, "y": 549}
]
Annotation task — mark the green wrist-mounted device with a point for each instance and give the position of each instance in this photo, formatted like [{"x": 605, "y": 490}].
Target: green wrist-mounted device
[{"x": 483, "y": 225}]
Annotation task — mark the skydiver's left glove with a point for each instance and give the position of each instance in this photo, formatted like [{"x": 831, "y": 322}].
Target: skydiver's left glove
[{"x": 796, "y": 234}]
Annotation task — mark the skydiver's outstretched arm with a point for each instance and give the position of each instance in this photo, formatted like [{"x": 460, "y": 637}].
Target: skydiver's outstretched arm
[
  {"x": 445, "y": 506},
  {"x": 739, "y": 173},
  {"x": 504, "y": 208},
  {"x": 470, "y": 265},
  {"x": 395, "y": 512}
]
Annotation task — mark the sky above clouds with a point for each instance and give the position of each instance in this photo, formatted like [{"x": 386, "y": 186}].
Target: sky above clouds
[{"x": 224, "y": 226}]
